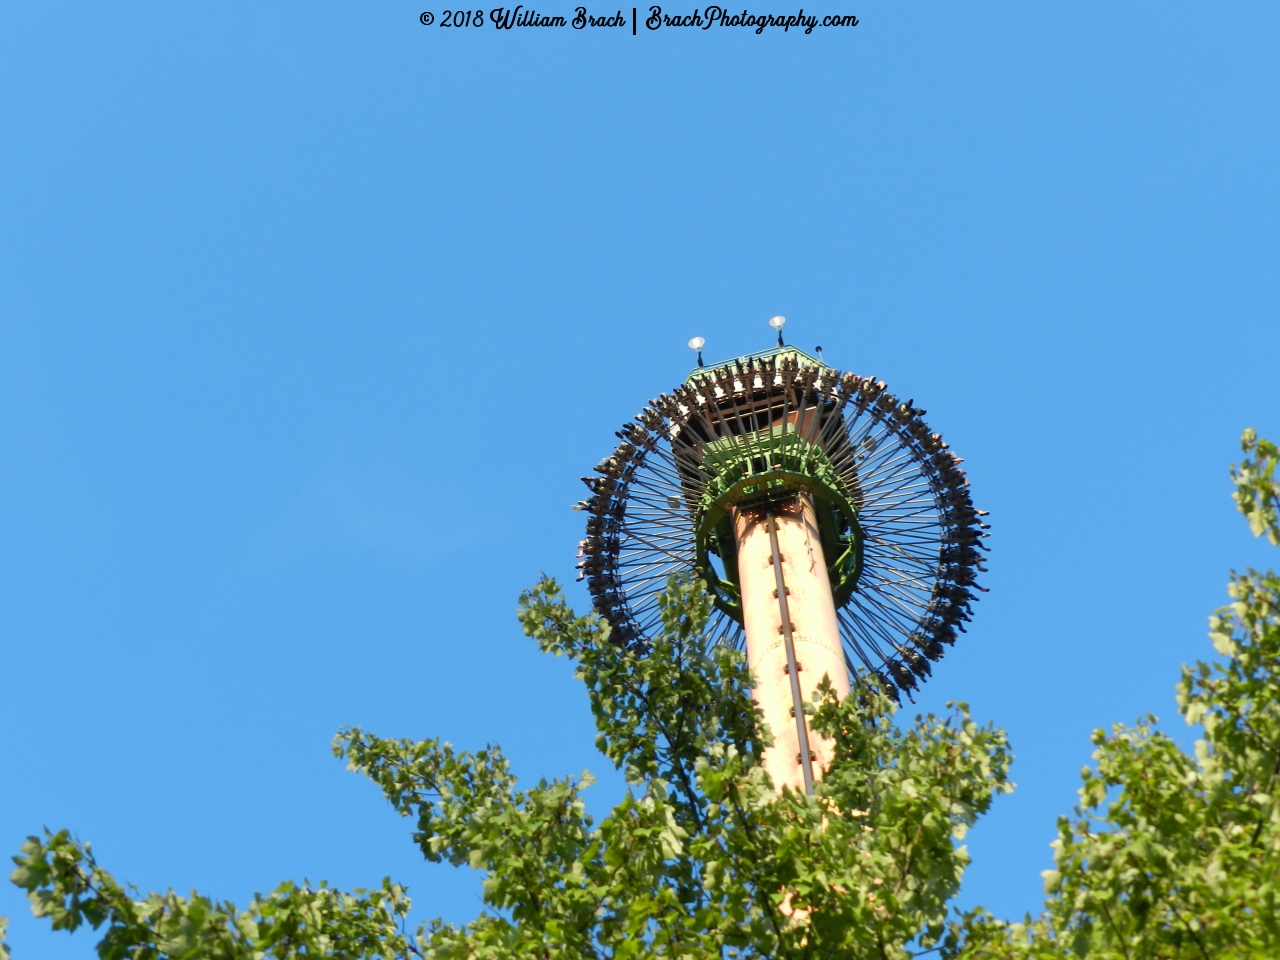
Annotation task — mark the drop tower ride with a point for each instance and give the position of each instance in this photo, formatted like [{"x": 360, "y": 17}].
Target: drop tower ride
[{"x": 834, "y": 530}]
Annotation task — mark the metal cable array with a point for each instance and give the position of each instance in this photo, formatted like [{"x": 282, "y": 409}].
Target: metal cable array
[{"x": 922, "y": 535}]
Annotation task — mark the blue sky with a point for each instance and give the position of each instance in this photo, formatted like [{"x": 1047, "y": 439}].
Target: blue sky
[{"x": 313, "y": 316}]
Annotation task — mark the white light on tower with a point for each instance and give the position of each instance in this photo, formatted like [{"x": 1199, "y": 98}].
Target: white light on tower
[{"x": 696, "y": 344}]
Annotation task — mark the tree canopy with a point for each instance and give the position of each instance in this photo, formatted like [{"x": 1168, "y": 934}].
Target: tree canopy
[{"x": 1169, "y": 854}]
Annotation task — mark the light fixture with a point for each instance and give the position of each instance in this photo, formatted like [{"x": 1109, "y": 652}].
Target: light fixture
[
  {"x": 696, "y": 344},
  {"x": 776, "y": 323}
]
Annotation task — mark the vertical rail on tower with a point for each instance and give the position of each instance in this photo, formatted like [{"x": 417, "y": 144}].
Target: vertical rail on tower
[{"x": 805, "y": 756}]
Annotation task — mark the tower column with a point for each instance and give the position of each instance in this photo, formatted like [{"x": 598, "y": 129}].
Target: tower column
[{"x": 811, "y": 640}]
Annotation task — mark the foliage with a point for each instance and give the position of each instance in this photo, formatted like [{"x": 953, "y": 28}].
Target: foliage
[
  {"x": 1171, "y": 855},
  {"x": 1257, "y": 491},
  {"x": 65, "y": 884},
  {"x": 701, "y": 858}
]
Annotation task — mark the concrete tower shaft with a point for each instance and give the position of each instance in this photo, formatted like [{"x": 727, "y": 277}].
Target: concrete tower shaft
[{"x": 810, "y": 641}]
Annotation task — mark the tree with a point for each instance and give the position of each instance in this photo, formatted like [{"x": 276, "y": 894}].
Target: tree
[
  {"x": 701, "y": 858},
  {"x": 1170, "y": 855}
]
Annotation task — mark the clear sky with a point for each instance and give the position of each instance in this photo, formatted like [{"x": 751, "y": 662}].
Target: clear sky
[{"x": 313, "y": 316}]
